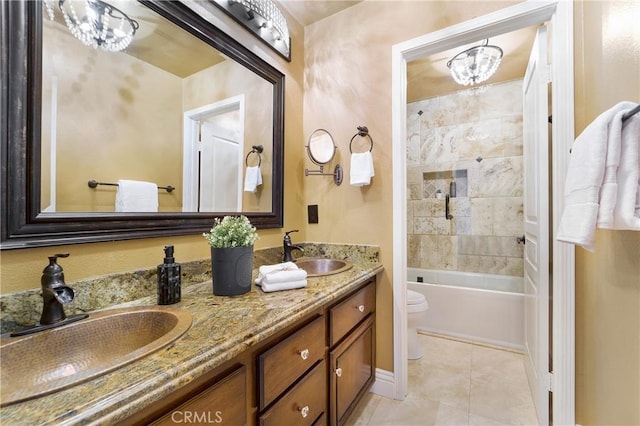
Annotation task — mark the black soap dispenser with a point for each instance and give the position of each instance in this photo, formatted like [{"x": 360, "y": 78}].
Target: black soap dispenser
[{"x": 168, "y": 279}]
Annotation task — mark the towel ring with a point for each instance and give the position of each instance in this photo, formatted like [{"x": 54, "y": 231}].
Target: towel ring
[
  {"x": 362, "y": 132},
  {"x": 255, "y": 149}
]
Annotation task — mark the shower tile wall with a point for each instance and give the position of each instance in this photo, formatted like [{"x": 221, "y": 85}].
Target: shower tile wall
[{"x": 476, "y": 139}]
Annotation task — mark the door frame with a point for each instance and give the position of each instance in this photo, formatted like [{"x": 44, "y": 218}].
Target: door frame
[
  {"x": 191, "y": 123},
  {"x": 560, "y": 14}
]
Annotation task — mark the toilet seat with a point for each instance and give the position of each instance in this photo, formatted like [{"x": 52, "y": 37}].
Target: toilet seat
[{"x": 416, "y": 302}]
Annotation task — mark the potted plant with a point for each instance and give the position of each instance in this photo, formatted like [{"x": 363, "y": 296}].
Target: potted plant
[{"x": 231, "y": 239}]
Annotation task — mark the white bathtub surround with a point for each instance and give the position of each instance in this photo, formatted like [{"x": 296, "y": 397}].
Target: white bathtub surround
[{"x": 477, "y": 307}]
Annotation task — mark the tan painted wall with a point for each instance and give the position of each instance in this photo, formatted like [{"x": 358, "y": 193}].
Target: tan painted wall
[
  {"x": 347, "y": 84},
  {"x": 607, "y": 70},
  {"x": 21, "y": 269}
]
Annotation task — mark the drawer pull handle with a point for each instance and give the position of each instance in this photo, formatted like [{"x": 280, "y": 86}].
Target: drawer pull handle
[
  {"x": 304, "y": 411},
  {"x": 361, "y": 308},
  {"x": 339, "y": 372},
  {"x": 304, "y": 354}
]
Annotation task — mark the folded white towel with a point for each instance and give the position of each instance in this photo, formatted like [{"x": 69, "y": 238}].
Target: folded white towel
[
  {"x": 136, "y": 196},
  {"x": 252, "y": 179},
  {"x": 361, "y": 168},
  {"x": 276, "y": 277},
  {"x": 266, "y": 269},
  {"x": 585, "y": 176},
  {"x": 290, "y": 285},
  {"x": 627, "y": 211},
  {"x": 609, "y": 188}
]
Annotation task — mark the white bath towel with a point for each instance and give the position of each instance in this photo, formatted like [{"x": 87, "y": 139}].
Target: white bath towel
[
  {"x": 627, "y": 211},
  {"x": 584, "y": 181},
  {"x": 276, "y": 277},
  {"x": 278, "y": 267},
  {"x": 609, "y": 188},
  {"x": 252, "y": 179},
  {"x": 361, "y": 168},
  {"x": 136, "y": 196},
  {"x": 290, "y": 285}
]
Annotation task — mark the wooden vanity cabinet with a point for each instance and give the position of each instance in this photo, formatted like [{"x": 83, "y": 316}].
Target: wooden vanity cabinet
[
  {"x": 352, "y": 351},
  {"x": 224, "y": 402},
  {"x": 312, "y": 372}
]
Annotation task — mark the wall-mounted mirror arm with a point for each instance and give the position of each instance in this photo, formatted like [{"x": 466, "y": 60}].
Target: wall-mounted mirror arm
[
  {"x": 337, "y": 173},
  {"x": 321, "y": 149}
]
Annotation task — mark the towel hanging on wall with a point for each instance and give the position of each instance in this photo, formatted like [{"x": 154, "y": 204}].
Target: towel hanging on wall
[
  {"x": 592, "y": 194},
  {"x": 361, "y": 162}
]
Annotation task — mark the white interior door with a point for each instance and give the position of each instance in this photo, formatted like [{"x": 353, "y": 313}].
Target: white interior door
[
  {"x": 220, "y": 163},
  {"x": 536, "y": 226}
]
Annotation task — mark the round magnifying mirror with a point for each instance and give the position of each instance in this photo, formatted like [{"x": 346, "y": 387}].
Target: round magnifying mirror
[{"x": 321, "y": 147}]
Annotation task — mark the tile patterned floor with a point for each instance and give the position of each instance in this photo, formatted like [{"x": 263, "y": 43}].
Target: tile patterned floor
[{"x": 456, "y": 383}]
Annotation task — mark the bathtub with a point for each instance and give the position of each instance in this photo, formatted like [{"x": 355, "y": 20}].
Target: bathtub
[{"x": 477, "y": 307}]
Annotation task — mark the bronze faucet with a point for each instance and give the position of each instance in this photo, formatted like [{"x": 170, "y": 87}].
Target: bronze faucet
[
  {"x": 55, "y": 292},
  {"x": 288, "y": 247}
]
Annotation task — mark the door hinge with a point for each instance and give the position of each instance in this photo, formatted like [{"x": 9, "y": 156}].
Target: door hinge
[{"x": 548, "y": 381}]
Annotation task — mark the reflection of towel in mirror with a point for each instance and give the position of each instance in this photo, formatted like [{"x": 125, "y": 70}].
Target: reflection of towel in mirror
[
  {"x": 361, "y": 168},
  {"x": 136, "y": 196},
  {"x": 252, "y": 179}
]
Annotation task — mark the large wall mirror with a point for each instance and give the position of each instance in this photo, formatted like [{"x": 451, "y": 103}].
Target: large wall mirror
[{"x": 183, "y": 106}]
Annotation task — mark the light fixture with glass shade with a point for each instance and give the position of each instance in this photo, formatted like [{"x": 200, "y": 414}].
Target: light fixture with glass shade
[
  {"x": 96, "y": 23},
  {"x": 476, "y": 64},
  {"x": 264, "y": 19}
]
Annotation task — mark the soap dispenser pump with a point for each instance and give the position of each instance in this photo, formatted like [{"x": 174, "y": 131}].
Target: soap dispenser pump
[{"x": 168, "y": 279}]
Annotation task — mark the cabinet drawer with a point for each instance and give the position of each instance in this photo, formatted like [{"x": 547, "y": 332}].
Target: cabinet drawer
[
  {"x": 223, "y": 403},
  {"x": 284, "y": 363},
  {"x": 349, "y": 313},
  {"x": 303, "y": 404}
]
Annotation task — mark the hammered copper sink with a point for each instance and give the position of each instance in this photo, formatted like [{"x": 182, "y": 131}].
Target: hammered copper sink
[
  {"x": 319, "y": 267},
  {"x": 48, "y": 361}
]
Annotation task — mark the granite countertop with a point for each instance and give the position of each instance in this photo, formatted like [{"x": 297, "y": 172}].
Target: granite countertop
[{"x": 222, "y": 328}]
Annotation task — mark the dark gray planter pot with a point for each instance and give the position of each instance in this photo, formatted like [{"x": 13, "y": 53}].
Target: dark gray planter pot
[{"x": 231, "y": 270}]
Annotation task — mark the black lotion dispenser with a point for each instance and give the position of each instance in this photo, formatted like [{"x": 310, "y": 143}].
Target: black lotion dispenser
[{"x": 168, "y": 279}]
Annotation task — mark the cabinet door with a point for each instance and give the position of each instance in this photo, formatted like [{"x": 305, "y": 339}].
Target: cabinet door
[
  {"x": 352, "y": 370},
  {"x": 304, "y": 404},
  {"x": 224, "y": 403}
]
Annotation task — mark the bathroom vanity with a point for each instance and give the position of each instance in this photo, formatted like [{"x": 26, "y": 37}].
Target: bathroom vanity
[
  {"x": 312, "y": 373},
  {"x": 302, "y": 356}
]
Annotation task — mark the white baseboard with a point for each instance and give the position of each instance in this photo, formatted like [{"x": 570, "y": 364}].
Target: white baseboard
[{"x": 384, "y": 384}]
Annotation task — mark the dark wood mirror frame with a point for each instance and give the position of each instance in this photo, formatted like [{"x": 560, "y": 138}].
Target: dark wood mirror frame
[{"x": 23, "y": 224}]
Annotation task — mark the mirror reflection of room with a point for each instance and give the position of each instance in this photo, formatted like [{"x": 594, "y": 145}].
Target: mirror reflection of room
[{"x": 168, "y": 110}]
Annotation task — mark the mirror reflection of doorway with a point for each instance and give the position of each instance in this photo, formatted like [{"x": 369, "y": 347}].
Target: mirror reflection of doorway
[{"x": 213, "y": 153}]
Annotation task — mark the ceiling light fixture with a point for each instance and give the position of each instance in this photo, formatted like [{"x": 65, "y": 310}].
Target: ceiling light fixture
[
  {"x": 475, "y": 64},
  {"x": 264, "y": 19},
  {"x": 97, "y": 24}
]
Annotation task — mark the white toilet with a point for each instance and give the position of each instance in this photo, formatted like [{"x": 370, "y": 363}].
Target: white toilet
[{"x": 416, "y": 311}]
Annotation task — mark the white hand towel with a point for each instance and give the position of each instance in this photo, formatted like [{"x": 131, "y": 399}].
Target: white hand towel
[
  {"x": 252, "y": 179},
  {"x": 266, "y": 269},
  {"x": 361, "y": 168},
  {"x": 584, "y": 181},
  {"x": 136, "y": 196},
  {"x": 627, "y": 211},
  {"x": 290, "y": 285},
  {"x": 276, "y": 277},
  {"x": 609, "y": 188}
]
